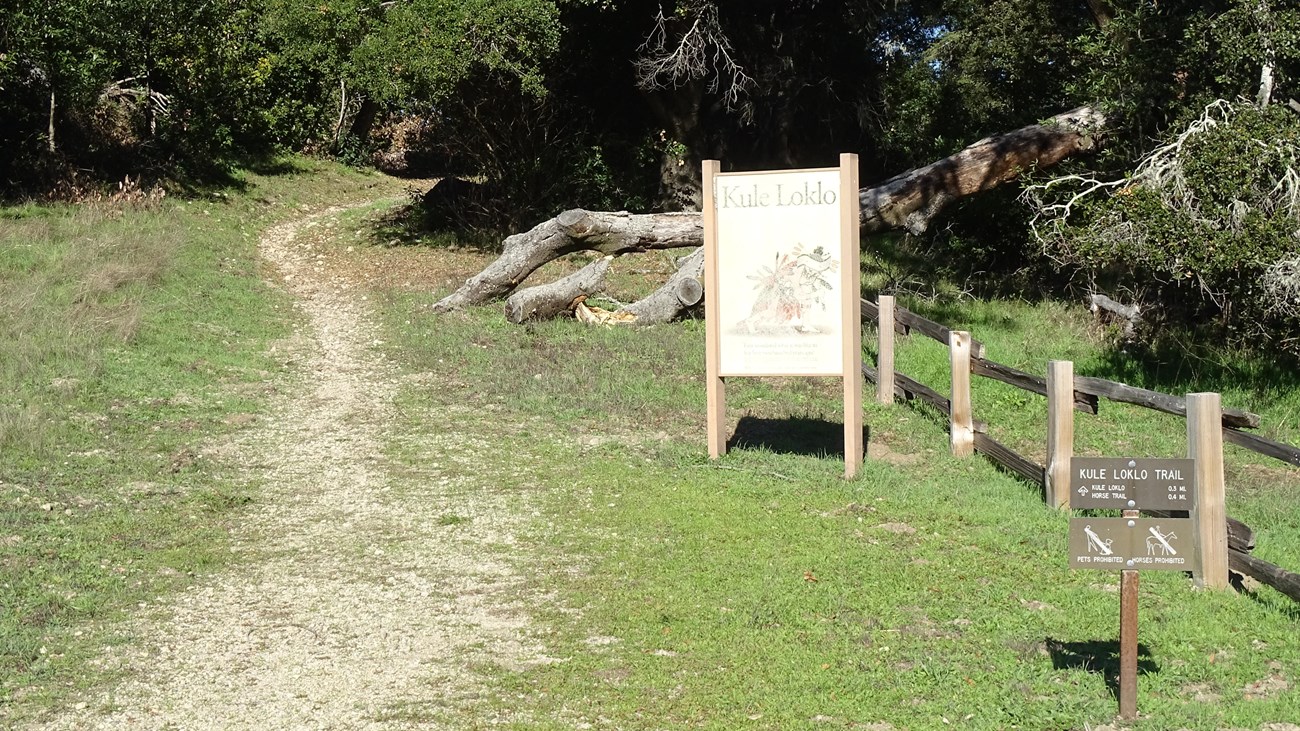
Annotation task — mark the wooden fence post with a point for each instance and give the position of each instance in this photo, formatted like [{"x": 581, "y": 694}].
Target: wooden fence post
[
  {"x": 1060, "y": 432},
  {"x": 885, "y": 350},
  {"x": 961, "y": 421},
  {"x": 1205, "y": 445}
]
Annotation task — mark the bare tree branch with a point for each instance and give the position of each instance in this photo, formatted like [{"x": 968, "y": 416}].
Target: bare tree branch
[{"x": 702, "y": 52}]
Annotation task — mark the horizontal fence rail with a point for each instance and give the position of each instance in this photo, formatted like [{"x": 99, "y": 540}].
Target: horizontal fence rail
[
  {"x": 907, "y": 388},
  {"x": 1088, "y": 389},
  {"x": 1083, "y": 400},
  {"x": 1087, "y": 392},
  {"x": 905, "y": 321},
  {"x": 1256, "y": 443},
  {"x": 1175, "y": 405}
]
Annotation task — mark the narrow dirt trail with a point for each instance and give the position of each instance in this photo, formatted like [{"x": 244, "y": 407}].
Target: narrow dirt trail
[{"x": 354, "y": 606}]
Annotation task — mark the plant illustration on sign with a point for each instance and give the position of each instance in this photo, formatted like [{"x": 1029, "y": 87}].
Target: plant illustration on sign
[{"x": 787, "y": 292}]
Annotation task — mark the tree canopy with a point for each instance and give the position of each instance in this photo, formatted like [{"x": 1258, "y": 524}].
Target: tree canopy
[{"x": 554, "y": 104}]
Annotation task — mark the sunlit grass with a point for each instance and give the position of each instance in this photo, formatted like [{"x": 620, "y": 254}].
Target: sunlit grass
[{"x": 762, "y": 591}]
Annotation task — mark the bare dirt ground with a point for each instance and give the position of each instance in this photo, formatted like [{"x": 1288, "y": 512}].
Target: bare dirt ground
[{"x": 354, "y": 606}]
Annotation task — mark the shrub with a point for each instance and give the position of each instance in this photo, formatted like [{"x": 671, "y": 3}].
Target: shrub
[{"x": 1200, "y": 231}]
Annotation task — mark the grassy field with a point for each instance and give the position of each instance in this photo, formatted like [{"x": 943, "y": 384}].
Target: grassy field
[
  {"x": 134, "y": 335},
  {"x": 762, "y": 591}
]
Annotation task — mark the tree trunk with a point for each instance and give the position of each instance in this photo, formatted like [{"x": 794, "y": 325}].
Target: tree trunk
[
  {"x": 550, "y": 300},
  {"x": 1102, "y": 12},
  {"x": 51, "y": 131},
  {"x": 575, "y": 230},
  {"x": 682, "y": 293},
  {"x": 1264, "y": 19},
  {"x": 364, "y": 122},
  {"x": 910, "y": 200},
  {"x": 343, "y": 110},
  {"x": 680, "y": 178}
]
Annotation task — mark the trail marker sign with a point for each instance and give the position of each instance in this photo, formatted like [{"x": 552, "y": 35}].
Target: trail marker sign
[
  {"x": 1132, "y": 483},
  {"x": 1131, "y": 543}
]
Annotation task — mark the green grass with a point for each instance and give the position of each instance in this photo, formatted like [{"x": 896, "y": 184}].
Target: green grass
[
  {"x": 132, "y": 339},
  {"x": 762, "y": 591}
]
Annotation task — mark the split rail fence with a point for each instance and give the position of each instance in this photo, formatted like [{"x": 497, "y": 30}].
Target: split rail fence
[{"x": 1067, "y": 393}]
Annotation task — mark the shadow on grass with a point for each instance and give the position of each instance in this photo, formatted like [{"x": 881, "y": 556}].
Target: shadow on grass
[
  {"x": 413, "y": 224},
  {"x": 1098, "y": 656},
  {"x": 218, "y": 177},
  {"x": 1182, "y": 368},
  {"x": 793, "y": 435}
]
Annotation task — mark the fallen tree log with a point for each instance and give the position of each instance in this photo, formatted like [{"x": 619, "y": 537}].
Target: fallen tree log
[
  {"x": 575, "y": 230},
  {"x": 912, "y": 199},
  {"x": 549, "y": 300},
  {"x": 682, "y": 292},
  {"x": 909, "y": 200},
  {"x": 1131, "y": 315}
]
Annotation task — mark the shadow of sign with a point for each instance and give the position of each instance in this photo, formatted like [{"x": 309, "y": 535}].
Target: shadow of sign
[
  {"x": 793, "y": 435},
  {"x": 1098, "y": 656}
]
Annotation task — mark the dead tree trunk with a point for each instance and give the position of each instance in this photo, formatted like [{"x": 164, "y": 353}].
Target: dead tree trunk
[
  {"x": 1106, "y": 308},
  {"x": 910, "y": 201},
  {"x": 682, "y": 292},
  {"x": 575, "y": 230},
  {"x": 549, "y": 300}
]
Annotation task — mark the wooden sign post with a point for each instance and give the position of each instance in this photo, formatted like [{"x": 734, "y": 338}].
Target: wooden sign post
[
  {"x": 1132, "y": 543},
  {"x": 782, "y": 285}
]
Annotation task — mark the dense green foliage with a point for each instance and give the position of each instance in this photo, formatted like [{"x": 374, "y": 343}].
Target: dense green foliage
[
  {"x": 1198, "y": 225},
  {"x": 548, "y": 104}
]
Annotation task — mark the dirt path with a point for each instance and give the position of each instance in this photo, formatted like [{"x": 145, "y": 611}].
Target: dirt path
[{"x": 356, "y": 607}]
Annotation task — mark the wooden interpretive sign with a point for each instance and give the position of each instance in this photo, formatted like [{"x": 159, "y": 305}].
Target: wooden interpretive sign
[
  {"x": 782, "y": 285},
  {"x": 1127, "y": 483}
]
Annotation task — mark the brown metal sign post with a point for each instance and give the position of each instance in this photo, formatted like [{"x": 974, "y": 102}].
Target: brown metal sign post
[{"x": 1128, "y": 642}]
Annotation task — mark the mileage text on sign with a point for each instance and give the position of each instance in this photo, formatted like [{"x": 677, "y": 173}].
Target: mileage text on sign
[{"x": 1127, "y": 483}]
